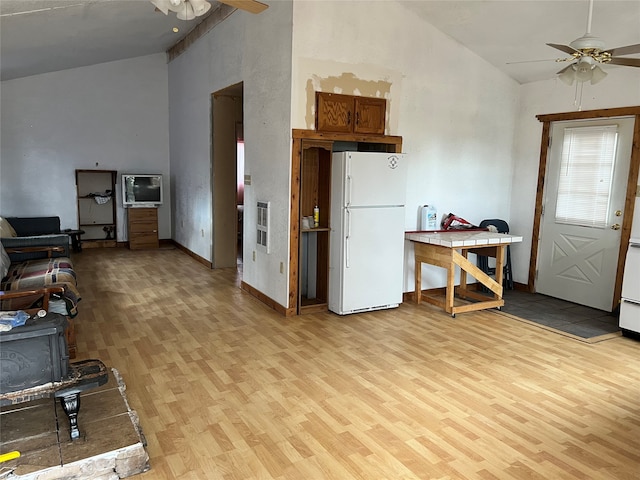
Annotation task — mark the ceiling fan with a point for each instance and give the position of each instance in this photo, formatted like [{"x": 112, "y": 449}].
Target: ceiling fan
[
  {"x": 588, "y": 51},
  {"x": 190, "y": 9}
]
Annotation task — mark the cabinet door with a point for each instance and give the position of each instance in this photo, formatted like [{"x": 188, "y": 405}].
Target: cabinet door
[
  {"x": 370, "y": 115},
  {"x": 334, "y": 112}
]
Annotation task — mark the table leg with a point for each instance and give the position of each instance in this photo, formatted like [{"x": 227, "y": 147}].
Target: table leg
[
  {"x": 500, "y": 266},
  {"x": 451, "y": 285},
  {"x": 71, "y": 406},
  {"x": 418, "y": 279},
  {"x": 463, "y": 278}
]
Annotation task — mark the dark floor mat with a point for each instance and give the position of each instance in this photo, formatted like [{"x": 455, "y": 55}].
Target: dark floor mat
[{"x": 553, "y": 313}]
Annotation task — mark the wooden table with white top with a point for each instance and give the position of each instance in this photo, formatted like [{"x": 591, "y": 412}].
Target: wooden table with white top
[{"x": 450, "y": 250}]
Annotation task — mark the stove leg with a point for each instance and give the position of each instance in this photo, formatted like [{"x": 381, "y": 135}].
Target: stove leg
[{"x": 71, "y": 406}]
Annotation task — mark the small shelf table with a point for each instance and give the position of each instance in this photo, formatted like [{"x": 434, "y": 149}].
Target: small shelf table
[
  {"x": 449, "y": 250},
  {"x": 76, "y": 240}
]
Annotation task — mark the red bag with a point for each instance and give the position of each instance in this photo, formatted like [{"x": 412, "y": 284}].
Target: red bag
[{"x": 453, "y": 222}]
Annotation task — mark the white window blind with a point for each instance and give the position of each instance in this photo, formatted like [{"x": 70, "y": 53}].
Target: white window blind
[{"x": 586, "y": 174}]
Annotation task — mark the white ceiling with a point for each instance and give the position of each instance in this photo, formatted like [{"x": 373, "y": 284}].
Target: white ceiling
[
  {"x": 62, "y": 34},
  {"x": 503, "y": 31},
  {"x": 86, "y": 32}
]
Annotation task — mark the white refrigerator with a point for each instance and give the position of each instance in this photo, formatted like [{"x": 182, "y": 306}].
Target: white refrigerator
[
  {"x": 630, "y": 304},
  {"x": 366, "y": 245}
]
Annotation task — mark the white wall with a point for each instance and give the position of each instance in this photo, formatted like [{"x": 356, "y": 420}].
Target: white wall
[
  {"x": 256, "y": 50},
  {"x": 112, "y": 116},
  {"x": 471, "y": 131},
  {"x": 621, "y": 88},
  {"x": 455, "y": 112}
]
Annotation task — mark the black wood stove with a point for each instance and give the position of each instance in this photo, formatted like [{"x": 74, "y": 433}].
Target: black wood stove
[{"x": 34, "y": 363}]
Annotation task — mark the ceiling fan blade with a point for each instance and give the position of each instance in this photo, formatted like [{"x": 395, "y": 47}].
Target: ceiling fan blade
[
  {"x": 252, "y": 6},
  {"x": 629, "y": 62},
  {"x": 628, "y": 50},
  {"x": 558, "y": 60},
  {"x": 564, "y": 48}
]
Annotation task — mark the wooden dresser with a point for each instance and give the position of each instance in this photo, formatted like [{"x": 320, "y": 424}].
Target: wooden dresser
[{"x": 143, "y": 228}]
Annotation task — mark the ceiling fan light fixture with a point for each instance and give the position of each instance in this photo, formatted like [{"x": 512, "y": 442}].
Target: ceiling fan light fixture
[
  {"x": 190, "y": 9},
  {"x": 584, "y": 70},
  {"x": 568, "y": 76},
  {"x": 161, "y": 5},
  {"x": 200, "y": 7},
  {"x": 176, "y": 5},
  {"x": 597, "y": 75},
  {"x": 187, "y": 12}
]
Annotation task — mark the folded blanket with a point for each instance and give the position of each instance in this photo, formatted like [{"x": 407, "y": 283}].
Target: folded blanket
[{"x": 46, "y": 272}]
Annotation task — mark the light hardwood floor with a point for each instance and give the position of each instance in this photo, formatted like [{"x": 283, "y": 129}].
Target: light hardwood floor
[{"x": 228, "y": 389}]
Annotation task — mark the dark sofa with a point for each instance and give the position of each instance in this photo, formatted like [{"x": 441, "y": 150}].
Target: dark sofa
[
  {"x": 36, "y": 232},
  {"x": 28, "y": 226}
]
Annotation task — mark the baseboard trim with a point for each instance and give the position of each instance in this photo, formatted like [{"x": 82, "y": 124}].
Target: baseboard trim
[
  {"x": 411, "y": 297},
  {"x": 195, "y": 256},
  {"x": 98, "y": 243},
  {"x": 268, "y": 301}
]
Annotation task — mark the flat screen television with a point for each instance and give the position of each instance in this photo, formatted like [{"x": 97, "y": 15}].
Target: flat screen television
[{"x": 140, "y": 190}]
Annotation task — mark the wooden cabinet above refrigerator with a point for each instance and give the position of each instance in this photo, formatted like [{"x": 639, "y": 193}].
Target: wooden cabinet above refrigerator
[{"x": 350, "y": 114}]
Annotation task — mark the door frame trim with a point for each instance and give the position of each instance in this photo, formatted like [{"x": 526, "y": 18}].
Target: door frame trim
[{"x": 634, "y": 171}]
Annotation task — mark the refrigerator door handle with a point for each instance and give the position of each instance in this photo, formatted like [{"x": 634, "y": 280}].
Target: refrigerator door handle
[
  {"x": 349, "y": 188},
  {"x": 347, "y": 230}
]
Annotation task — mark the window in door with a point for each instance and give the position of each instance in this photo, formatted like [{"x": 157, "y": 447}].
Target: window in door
[{"x": 586, "y": 175}]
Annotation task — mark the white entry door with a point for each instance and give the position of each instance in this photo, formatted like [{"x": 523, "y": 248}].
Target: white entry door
[{"x": 585, "y": 188}]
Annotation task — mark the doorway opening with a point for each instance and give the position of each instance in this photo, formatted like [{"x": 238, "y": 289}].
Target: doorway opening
[{"x": 227, "y": 176}]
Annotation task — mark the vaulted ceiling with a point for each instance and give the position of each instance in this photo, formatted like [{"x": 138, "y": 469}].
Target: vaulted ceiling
[{"x": 38, "y": 36}]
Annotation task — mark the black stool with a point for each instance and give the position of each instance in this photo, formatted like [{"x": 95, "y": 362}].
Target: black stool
[{"x": 483, "y": 261}]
